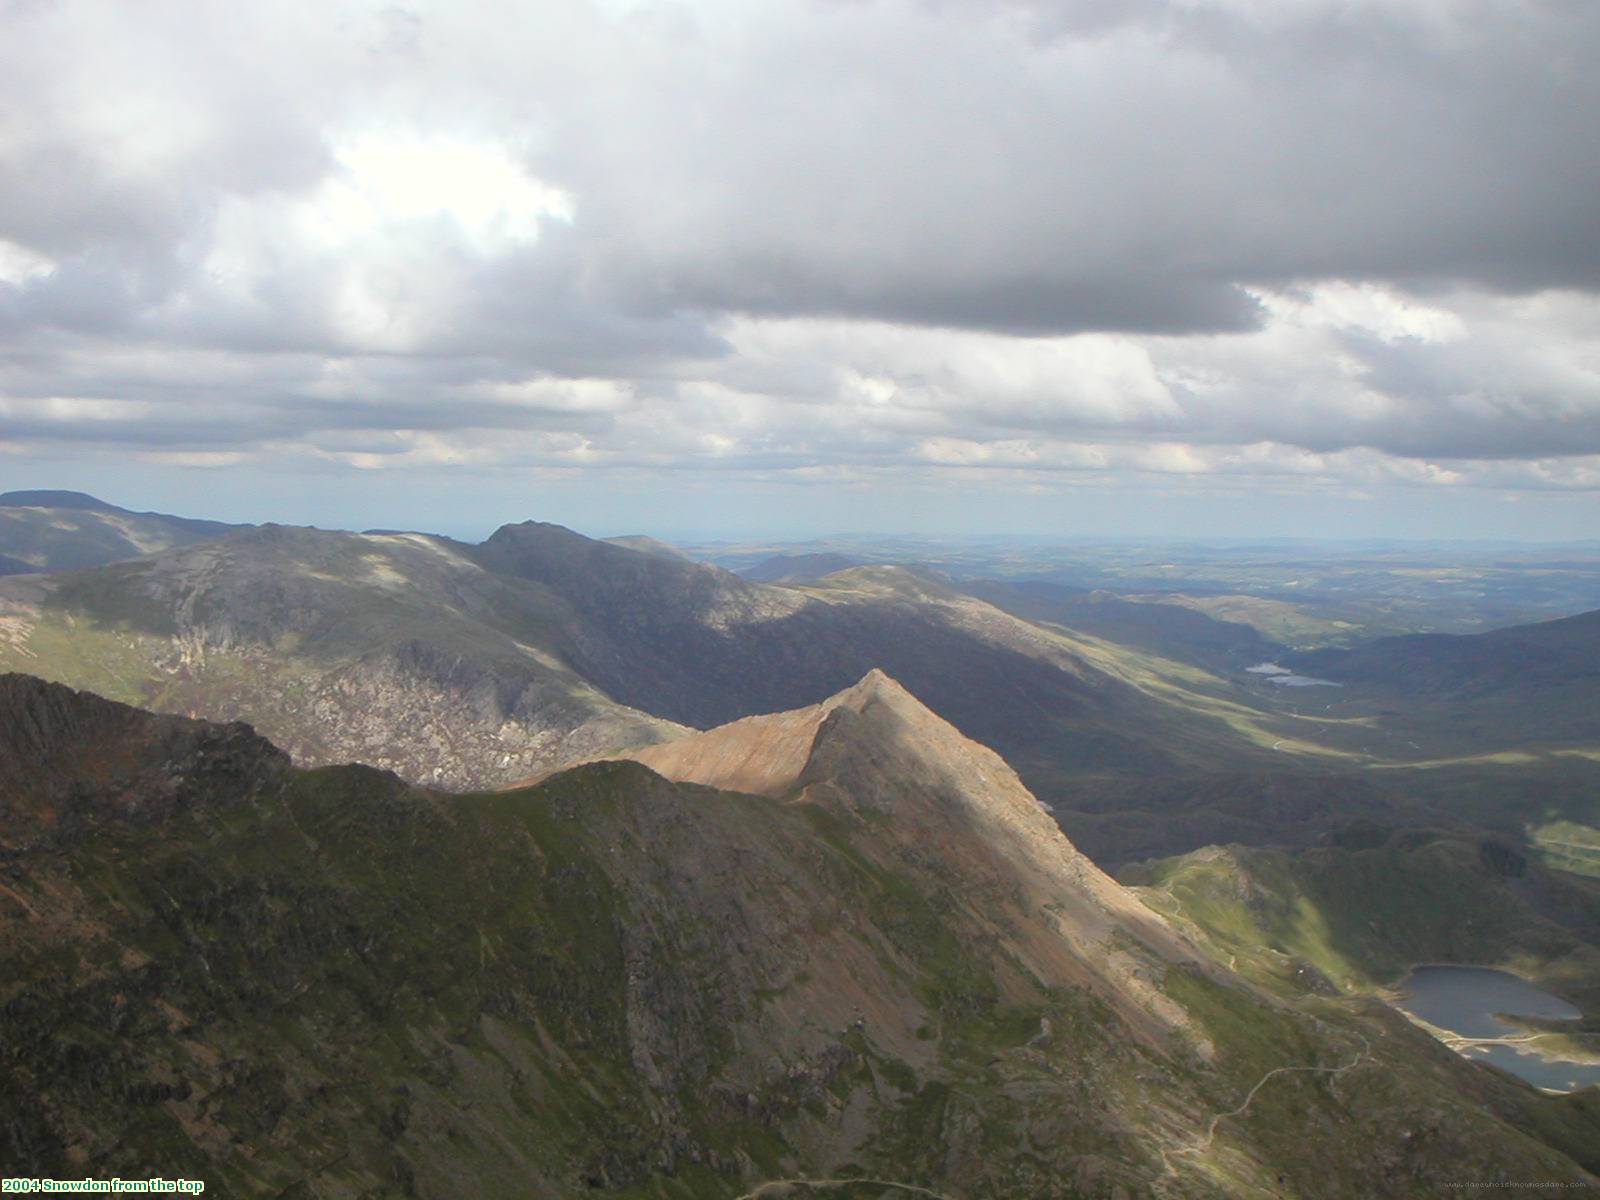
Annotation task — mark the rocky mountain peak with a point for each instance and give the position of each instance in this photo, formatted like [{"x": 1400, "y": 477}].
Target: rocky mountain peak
[
  {"x": 776, "y": 754},
  {"x": 875, "y": 754},
  {"x": 767, "y": 755}
]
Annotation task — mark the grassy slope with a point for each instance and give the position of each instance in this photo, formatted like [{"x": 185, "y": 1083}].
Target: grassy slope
[
  {"x": 366, "y": 985},
  {"x": 1375, "y": 901},
  {"x": 1167, "y": 630},
  {"x": 1355, "y": 915}
]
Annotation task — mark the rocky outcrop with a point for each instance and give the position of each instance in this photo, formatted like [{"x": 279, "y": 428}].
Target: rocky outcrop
[{"x": 70, "y": 761}]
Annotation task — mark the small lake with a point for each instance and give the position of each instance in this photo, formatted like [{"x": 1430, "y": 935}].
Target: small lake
[
  {"x": 1284, "y": 677},
  {"x": 1464, "y": 1001}
]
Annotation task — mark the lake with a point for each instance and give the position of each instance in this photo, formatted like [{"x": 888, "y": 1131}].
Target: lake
[
  {"x": 1284, "y": 677},
  {"x": 1464, "y": 1000}
]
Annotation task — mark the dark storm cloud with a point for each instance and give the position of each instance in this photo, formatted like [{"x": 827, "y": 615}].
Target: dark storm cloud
[{"x": 939, "y": 167}]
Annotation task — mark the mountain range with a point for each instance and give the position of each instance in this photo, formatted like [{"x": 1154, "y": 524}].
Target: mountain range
[
  {"x": 658, "y": 880},
  {"x": 482, "y": 665},
  {"x": 878, "y": 962},
  {"x": 1538, "y": 682},
  {"x": 465, "y": 665}
]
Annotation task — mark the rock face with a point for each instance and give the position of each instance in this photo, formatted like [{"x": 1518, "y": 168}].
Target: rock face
[
  {"x": 396, "y": 650},
  {"x": 331, "y": 984}
]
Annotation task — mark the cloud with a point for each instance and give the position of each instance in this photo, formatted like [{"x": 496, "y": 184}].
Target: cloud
[{"x": 1305, "y": 240}]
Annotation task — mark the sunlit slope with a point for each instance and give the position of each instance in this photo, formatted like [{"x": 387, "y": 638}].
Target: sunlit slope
[
  {"x": 955, "y": 804},
  {"x": 1373, "y": 900},
  {"x": 1177, "y": 713},
  {"x": 1168, "y": 630},
  {"x": 331, "y": 984}
]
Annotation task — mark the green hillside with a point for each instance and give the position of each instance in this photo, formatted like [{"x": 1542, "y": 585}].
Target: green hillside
[{"x": 1372, "y": 901}]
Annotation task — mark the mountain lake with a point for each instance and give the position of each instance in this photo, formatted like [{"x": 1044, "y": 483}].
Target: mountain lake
[
  {"x": 1464, "y": 1001},
  {"x": 1284, "y": 677}
]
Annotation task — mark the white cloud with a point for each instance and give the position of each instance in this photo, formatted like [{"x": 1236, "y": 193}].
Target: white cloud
[
  {"x": 18, "y": 264},
  {"x": 1371, "y": 308}
]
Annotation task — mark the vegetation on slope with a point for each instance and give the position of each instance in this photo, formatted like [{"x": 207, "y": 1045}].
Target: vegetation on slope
[
  {"x": 328, "y": 983},
  {"x": 1372, "y": 901}
]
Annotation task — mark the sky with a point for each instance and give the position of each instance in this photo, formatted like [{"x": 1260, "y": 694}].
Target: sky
[{"x": 749, "y": 268}]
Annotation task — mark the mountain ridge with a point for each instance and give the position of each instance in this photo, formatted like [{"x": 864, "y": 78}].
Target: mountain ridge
[
  {"x": 393, "y": 649},
  {"x": 479, "y": 666},
  {"x": 44, "y": 530},
  {"x": 142, "y": 764}
]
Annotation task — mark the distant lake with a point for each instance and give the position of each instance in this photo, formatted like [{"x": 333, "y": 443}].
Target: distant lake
[
  {"x": 1284, "y": 677},
  {"x": 1464, "y": 1000}
]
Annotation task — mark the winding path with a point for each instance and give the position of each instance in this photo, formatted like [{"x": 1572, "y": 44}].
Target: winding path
[{"x": 1201, "y": 1146}]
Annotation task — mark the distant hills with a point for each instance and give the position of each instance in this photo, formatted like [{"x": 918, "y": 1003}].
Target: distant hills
[
  {"x": 798, "y": 568},
  {"x": 1550, "y": 653},
  {"x": 469, "y": 666},
  {"x": 887, "y": 966},
  {"x": 50, "y": 498},
  {"x": 55, "y": 531},
  {"x": 1528, "y": 683},
  {"x": 649, "y": 545}
]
